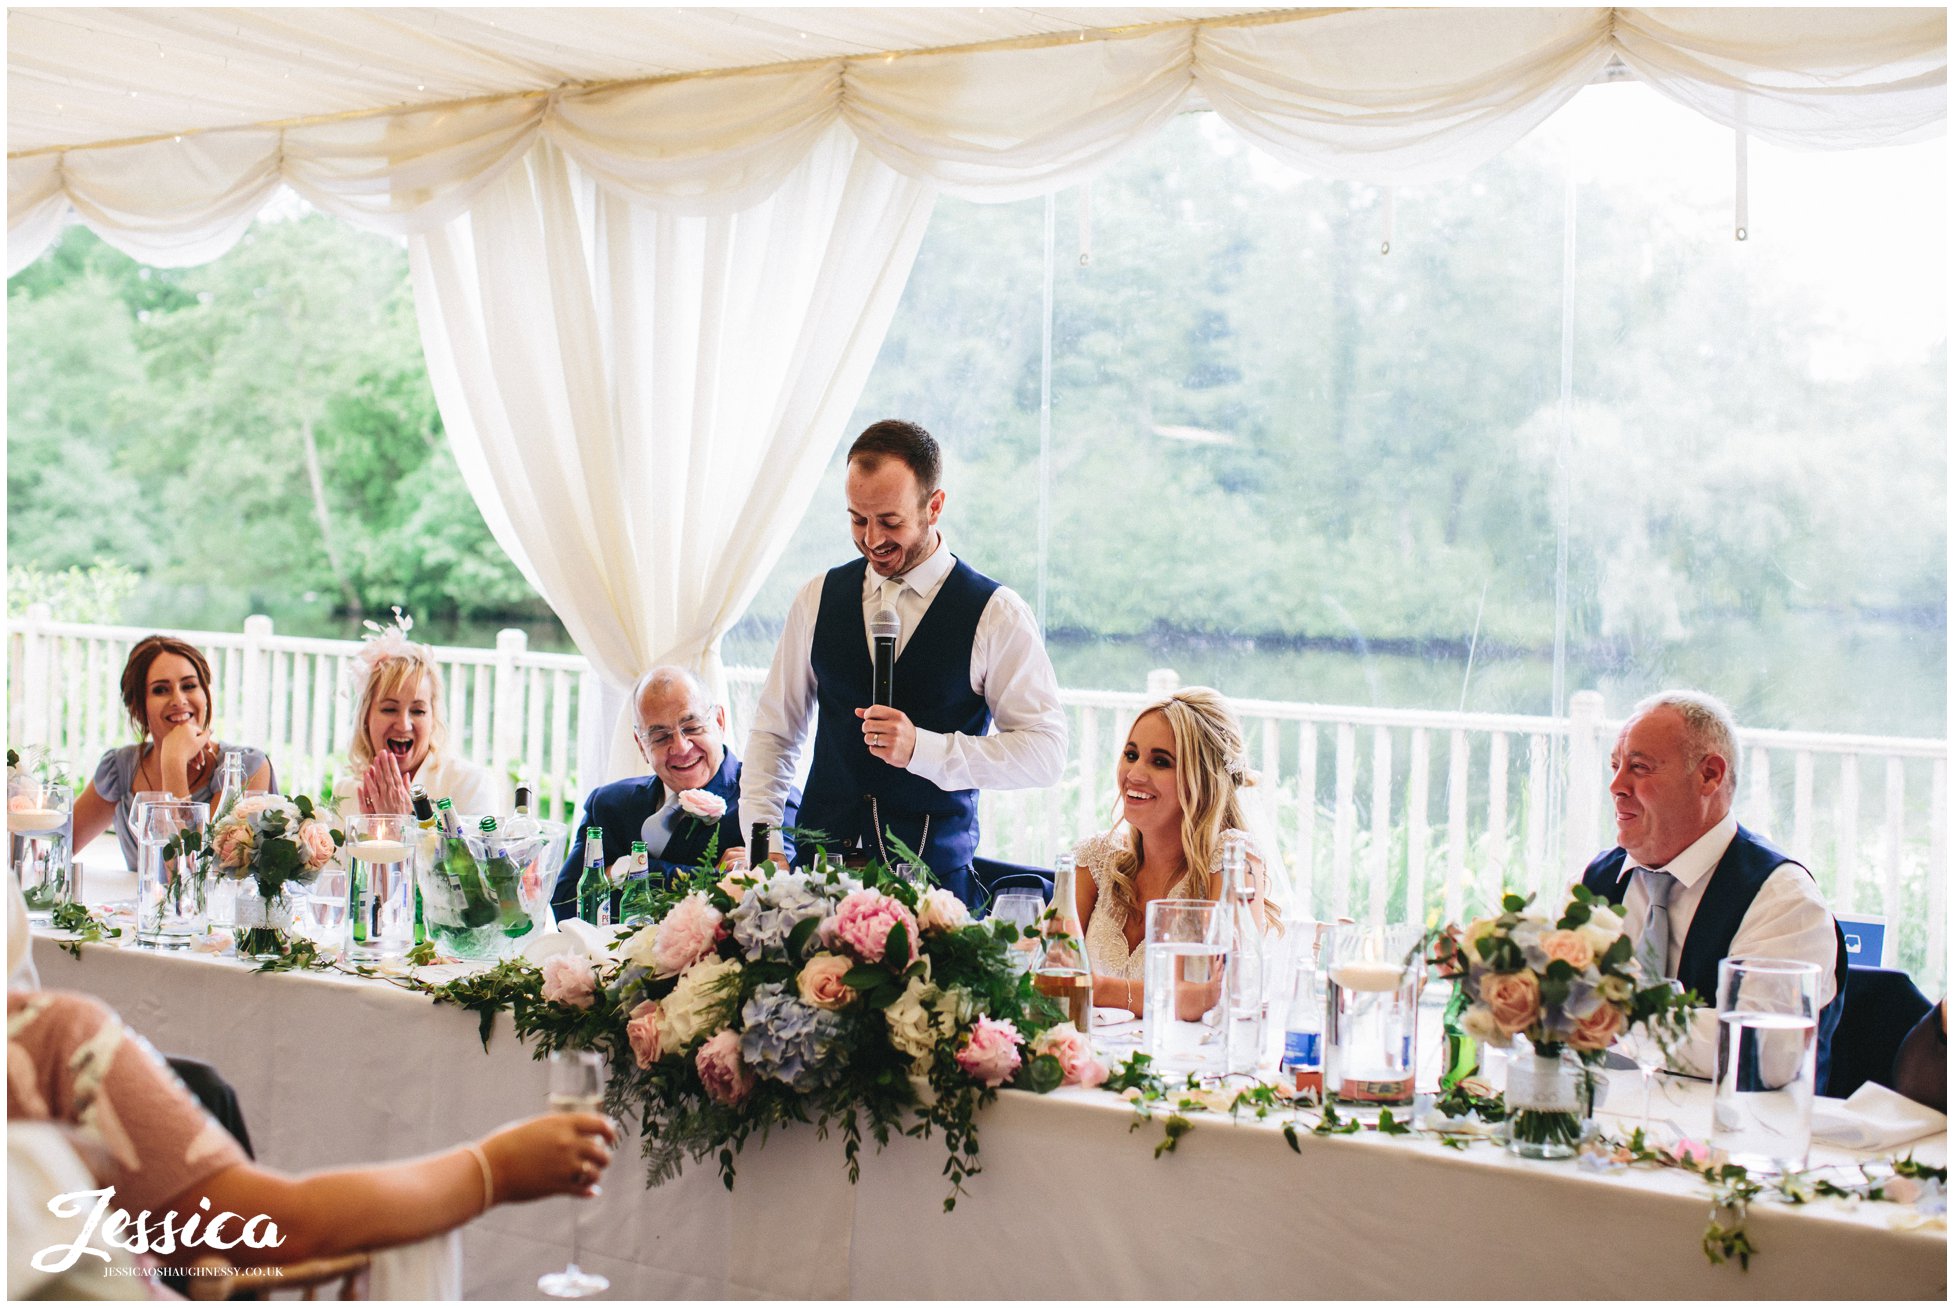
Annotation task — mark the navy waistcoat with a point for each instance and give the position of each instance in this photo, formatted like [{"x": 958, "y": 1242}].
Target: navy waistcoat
[
  {"x": 932, "y": 686},
  {"x": 1742, "y": 872}
]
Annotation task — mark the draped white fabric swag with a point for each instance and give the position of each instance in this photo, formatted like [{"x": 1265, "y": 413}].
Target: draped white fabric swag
[
  {"x": 1379, "y": 95},
  {"x": 643, "y": 403}
]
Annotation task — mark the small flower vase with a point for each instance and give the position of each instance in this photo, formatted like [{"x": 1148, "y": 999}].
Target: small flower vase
[
  {"x": 1549, "y": 1103},
  {"x": 265, "y": 921}
]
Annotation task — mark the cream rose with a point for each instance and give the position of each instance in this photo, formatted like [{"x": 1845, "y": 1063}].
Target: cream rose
[
  {"x": 820, "y": 981},
  {"x": 699, "y": 1004},
  {"x": 1479, "y": 1024},
  {"x": 940, "y": 910},
  {"x": 1512, "y": 997}
]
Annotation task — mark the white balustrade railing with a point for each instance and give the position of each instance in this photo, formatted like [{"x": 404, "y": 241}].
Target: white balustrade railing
[{"x": 1385, "y": 814}]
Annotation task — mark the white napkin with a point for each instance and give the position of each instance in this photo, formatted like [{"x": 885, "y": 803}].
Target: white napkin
[{"x": 1873, "y": 1118}]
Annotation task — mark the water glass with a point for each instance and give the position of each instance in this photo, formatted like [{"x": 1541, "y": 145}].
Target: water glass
[
  {"x": 1767, "y": 1050},
  {"x": 1186, "y": 951},
  {"x": 169, "y": 887},
  {"x": 1373, "y": 975},
  {"x": 40, "y": 830},
  {"x": 1022, "y": 909},
  {"x": 325, "y": 907},
  {"x": 379, "y": 858}
]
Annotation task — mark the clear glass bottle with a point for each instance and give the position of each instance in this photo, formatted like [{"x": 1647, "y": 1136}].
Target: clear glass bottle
[
  {"x": 1060, "y": 968},
  {"x": 230, "y": 785},
  {"x": 1245, "y": 971},
  {"x": 1302, "y": 1034}
]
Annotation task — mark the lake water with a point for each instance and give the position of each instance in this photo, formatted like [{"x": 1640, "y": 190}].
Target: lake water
[{"x": 1812, "y": 671}]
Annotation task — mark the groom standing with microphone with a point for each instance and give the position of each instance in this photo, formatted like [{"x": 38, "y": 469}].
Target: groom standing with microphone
[{"x": 903, "y": 660}]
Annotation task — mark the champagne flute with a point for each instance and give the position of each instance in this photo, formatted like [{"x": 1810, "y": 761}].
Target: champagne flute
[{"x": 576, "y": 1086}]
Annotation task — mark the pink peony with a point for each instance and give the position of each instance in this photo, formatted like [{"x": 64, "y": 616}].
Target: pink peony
[
  {"x": 863, "y": 920},
  {"x": 991, "y": 1053},
  {"x": 314, "y": 840},
  {"x": 1513, "y": 998},
  {"x": 940, "y": 910},
  {"x": 820, "y": 981},
  {"x": 689, "y": 933},
  {"x": 233, "y": 843},
  {"x": 1571, "y": 947},
  {"x": 721, "y": 1070},
  {"x": 642, "y": 1031},
  {"x": 1074, "y": 1053},
  {"x": 702, "y": 804},
  {"x": 569, "y": 979},
  {"x": 1598, "y": 1029}
]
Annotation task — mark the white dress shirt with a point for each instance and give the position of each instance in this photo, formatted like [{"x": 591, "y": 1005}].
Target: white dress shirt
[
  {"x": 1788, "y": 919},
  {"x": 1008, "y": 667}
]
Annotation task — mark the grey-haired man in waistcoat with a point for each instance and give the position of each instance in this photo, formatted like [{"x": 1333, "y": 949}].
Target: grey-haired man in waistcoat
[{"x": 1694, "y": 886}]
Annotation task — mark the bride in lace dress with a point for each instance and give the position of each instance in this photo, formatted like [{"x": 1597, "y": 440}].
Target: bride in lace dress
[{"x": 1179, "y": 775}]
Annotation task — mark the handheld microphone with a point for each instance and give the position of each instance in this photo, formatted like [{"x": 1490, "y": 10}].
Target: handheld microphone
[{"x": 884, "y": 628}]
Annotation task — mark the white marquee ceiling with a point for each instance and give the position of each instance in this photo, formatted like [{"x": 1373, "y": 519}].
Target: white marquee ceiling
[{"x": 78, "y": 75}]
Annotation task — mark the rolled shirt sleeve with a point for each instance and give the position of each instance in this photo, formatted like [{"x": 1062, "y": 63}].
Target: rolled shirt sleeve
[{"x": 1011, "y": 670}]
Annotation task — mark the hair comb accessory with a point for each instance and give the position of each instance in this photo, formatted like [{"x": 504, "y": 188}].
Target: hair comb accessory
[{"x": 382, "y": 643}]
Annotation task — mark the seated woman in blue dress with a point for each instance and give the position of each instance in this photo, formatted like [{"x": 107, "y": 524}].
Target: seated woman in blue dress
[{"x": 166, "y": 692}]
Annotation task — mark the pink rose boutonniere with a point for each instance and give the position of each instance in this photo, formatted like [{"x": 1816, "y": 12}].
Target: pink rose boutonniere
[{"x": 702, "y": 804}]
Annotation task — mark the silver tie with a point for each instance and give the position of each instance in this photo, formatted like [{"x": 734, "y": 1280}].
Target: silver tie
[{"x": 1652, "y": 950}]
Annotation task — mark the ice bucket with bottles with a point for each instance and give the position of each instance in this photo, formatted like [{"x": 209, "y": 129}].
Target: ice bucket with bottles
[{"x": 484, "y": 892}]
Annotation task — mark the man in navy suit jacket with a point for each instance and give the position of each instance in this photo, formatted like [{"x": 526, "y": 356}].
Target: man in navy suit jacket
[{"x": 682, "y": 735}]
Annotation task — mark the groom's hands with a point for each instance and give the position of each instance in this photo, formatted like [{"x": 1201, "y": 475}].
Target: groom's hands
[{"x": 888, "y": 733}]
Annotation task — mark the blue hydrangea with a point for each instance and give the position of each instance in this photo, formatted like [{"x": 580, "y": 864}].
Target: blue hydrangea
[
  {"x": 786, "y": 1039},
  {"x": 771, "y": 910}
]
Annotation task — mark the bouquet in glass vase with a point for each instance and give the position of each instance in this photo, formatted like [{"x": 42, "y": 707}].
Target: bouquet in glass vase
[
  {"x": 275, "y": 842},
  {"x": 1570, "y": 986}
]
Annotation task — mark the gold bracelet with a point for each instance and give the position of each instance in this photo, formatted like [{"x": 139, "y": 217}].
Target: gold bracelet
[{"x": 488, "y": 1177}]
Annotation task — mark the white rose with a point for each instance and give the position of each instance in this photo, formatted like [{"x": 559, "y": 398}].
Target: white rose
[
  {"x": 1602, "y": 929},
  {"x": 638, "y": 948},
  {"x": 699, "y": 1004},
  {"x": 910, "y": 1028},
  {"x": 1479, "y": 1024}
]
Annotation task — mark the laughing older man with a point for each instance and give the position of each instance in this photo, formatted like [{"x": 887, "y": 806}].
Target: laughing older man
[{"x": 682, "y": 735}]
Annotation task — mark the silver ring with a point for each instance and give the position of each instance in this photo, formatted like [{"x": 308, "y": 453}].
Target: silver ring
[{"x": 875, "y": 739}]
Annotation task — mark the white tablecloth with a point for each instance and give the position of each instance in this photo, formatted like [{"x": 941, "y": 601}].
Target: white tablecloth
[{"x": 1070, "y": 1204}]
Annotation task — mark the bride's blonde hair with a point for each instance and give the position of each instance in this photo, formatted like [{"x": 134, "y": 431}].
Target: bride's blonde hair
[{"x": 1210, "y": 769}]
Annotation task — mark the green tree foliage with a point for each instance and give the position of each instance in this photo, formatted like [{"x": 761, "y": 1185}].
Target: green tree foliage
[{"x": 173, "y": 420}]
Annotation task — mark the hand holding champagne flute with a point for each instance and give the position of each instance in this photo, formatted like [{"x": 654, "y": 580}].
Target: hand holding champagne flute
[{"x": 577, "y": 1086}]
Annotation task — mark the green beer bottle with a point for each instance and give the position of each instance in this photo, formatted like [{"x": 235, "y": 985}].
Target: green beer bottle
[
  {"x": 635, "y": 907},
  {"x": 594, "y": 888},
  {"x": 478, "y": 906},
  {"x": 1461, "y": 1050}
]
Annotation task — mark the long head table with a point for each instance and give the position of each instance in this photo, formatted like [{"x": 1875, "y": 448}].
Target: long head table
[{"x": 1070, "y": 1204}]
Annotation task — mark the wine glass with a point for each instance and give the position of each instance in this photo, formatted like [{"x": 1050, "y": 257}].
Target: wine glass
[
  {"x": 576, "y": 1086},
  {"x": 1646, "y": 1050},
  {"x": 1022, "y": 909}
]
